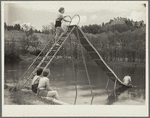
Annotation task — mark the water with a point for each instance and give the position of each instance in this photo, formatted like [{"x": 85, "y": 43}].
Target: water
[{"x": 62, "y": 78}]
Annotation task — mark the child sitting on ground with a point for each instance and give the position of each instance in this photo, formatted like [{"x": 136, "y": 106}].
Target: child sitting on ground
[
  {"x": 36, "y": 79},
  {"x": 59, "y": 30},
  {"x": 44, "y": 87}
]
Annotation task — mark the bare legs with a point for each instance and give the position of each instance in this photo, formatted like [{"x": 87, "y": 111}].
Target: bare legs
[
  {"x": 53, "y": 93},
  {"x": 59, "y": 33},
  {"x": 64, "y": 32},
  {"x": 56, "y": 37}
]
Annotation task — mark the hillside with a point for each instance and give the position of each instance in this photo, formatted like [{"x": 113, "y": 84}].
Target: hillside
[
  {"x": 8, "y": 35},
  {"x": 115, "y": 41},
  {"x": 16, "y": 36}
]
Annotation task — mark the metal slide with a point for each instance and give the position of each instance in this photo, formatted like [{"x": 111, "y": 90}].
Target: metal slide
[{"x": 96, "y": 56}]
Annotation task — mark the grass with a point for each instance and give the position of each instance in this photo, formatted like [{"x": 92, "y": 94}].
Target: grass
[
  {"x": 23, "y": 98},
  {"x": 13, "y": 33},
  {"x": 8, "y": 35}
]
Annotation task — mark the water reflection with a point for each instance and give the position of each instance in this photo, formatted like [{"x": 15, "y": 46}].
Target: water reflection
[
  {"x": 113, "y": 97},
  {"x": 127, "y": 96}
]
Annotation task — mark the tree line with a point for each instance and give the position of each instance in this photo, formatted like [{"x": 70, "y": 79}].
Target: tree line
[
  {"x": 126, "y": 46},
  {"x": 123, "y": 41},
  {"x": 18, "y": 27},
  {"x": 119, "y": 42},
  {"x": 119, "y": 24}
]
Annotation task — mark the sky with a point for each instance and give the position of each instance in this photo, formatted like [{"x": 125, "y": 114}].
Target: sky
[{"x": 44, "y": 13}]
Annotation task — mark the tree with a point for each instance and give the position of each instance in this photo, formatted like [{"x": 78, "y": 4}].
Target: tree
[
  {"x": 110, "y": 21},
  {"x": 35, "y": 31},
  {"x": 103, "y": 24},
  {"x": 17, "y": 27},
  {"x": 31, "y": 41},
  {"x": 135, "y": 25},
  {"x": 22, "y": 29},
  {"x": 48, "y": 29},
  {"x": 10, "y": 27},
  {"x": 28, "y": 29},
  {"x": 11, "y": 51}
]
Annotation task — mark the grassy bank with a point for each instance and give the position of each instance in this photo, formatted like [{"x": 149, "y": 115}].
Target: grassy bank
[{"x": 22, "y": 98}]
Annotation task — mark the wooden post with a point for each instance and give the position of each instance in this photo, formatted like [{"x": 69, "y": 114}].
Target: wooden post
[
  {"x": 114, "y": 89},
  {"x": 74, "y": 72},
  {"x": 107, "y": 86},
  {"x": 115, "y": 84}
]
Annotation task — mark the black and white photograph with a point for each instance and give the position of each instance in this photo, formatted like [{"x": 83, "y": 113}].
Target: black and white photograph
[{"x": 71, "y": 55}]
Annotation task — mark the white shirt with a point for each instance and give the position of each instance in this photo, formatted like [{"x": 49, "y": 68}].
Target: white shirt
[
  {"x": 127, "y": 79},
  {"x": 59, "y": 17},
  {"x": 34, "y": 79}
]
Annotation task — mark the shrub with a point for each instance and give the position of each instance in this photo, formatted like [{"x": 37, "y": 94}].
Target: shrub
[
  {"x": 11, "y": 51},
  {"x": 36, "y": 52},
  {"x": 30, "y": 41}
]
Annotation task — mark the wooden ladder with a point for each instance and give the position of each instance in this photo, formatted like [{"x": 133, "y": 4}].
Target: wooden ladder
[{"x": 52, "y": 50}]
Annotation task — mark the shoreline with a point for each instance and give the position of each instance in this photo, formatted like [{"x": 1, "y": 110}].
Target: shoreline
[
  {"x": 30, "y": 58},
  {"x": 19, "y": 97}
]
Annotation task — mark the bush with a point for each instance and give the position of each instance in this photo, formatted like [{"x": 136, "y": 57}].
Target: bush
[
  {"x": 11, "y": 51},
  {"x": 31, "y": 41},
  {"x": 36, "y": 52}
]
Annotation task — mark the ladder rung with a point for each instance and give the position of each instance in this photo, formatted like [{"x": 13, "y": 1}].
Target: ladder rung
[
  {"x": 60, "y": 41},
  {"x": 64, "y": 36},
  {"x": 56, "y": 46}
]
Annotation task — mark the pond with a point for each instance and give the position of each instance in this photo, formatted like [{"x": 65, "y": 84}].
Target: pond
[{"x": 62, "y": 78}]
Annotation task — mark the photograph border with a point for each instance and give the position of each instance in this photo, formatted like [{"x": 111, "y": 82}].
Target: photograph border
[{"x": 71, "y": 110}]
